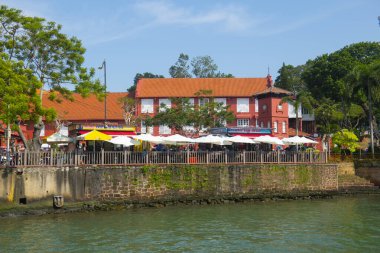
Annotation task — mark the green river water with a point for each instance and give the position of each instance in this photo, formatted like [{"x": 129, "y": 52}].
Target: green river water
[{"x": 341, "y": 224}]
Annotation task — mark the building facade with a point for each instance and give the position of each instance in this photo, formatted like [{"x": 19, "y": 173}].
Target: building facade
[{"x": 255, "y": 102}]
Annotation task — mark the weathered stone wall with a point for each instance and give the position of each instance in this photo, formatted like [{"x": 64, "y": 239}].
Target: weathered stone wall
[
  {"x": 167, "y": 182},
  {"x": 368, "y": 169}
]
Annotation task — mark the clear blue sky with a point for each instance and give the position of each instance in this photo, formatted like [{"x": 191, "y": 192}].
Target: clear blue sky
[{"x": 243, "y": 37}]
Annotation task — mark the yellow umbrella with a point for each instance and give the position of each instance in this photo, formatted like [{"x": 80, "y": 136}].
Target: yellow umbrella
[{"x": 94, "y": 135}]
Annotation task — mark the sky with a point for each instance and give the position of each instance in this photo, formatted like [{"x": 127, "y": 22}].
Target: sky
[{"x": 244, "y": 38}]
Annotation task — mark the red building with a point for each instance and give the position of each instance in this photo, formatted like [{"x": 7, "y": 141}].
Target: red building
[
  {"x": 254, "y": 101},
  {"x": 84, "y": 113}
]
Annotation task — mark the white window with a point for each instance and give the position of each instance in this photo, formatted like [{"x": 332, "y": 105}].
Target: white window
[
  {"x": 222, "y": 101},
  {"x": 275, "y": 126},
  {"x": 256, "y": 105},
  {"x": 191, "y": 102},
  {"x": 257, "y": 123},
  {"x": 243, "y": 105},
  {"x": 203, "y": 101},
  {"x": 268, "y": 124},
  {"x": 243, "y": 122},
  {"x": 149, "y": 130},
  {"x": 143, "y": 127},
  {"x": 283, "y": 127},
  {"x": 279, "y": 106},
  {"x": 164, "y": 104},
  {"x": 163, "y": 129},
  {"x": 147, "y": 105},
  {"x": 262, "y": 124}
]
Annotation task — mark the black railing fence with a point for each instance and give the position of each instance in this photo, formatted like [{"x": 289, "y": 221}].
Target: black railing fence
[{"x": 60, "y": 158}]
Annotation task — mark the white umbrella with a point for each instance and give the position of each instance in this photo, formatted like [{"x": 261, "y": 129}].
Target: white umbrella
[
  {"x": 213, "y": 139},
  {"x": 268, "y": 139},
  {"x": 177, "y": 139},
  {"x": 148, "y": 138},
  {"x": 124, "y": 140},
  {"x": 58, "y": 138},
  {"x": 295, "y": 140},
  {"x": 240, "y": 139},
  {"x": 307, "y": 140}
]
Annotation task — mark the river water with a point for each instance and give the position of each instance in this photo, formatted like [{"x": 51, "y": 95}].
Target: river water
[{"x": 342, "y": 224}]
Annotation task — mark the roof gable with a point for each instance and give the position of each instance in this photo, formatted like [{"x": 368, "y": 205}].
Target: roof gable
[{"x": 186, "y": 87}]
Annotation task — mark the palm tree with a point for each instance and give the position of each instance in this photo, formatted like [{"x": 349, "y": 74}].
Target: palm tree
[
  {"x": 366, "y": 82},
  {"x": 303, "y": 98}
]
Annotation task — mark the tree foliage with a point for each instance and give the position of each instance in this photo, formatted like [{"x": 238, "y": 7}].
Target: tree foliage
[
  {"x": 200, "y": 67},
  {"x": 183, "y": 115},
  {"x": 346, "y": 140},
  {"x": 138, "y": 76}
]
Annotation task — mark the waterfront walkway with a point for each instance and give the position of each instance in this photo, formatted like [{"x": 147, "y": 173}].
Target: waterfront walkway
[{"x": 108, "y": 158}]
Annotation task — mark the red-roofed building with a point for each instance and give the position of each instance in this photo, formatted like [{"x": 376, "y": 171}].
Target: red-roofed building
[
  {"x": 84, "y": 114},
  {"x": 254, "y": 101}
]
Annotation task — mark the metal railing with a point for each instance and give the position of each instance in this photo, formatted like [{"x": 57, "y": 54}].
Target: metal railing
[{"x": 59, "y": 158}]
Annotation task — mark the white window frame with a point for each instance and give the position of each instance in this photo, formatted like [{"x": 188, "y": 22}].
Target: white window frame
[
  {"x": 166, "y": 102},
  {"x": 242, "y": 105},
  {"x": 143, "y": 127},
  {"x": 242, "y": 122},
  {"x": 283, "y": 127},
  {"x": 256, "y": 105},
  {"x": 147, "y": 105},
  {"x": 275, "y": 127},
  {"x": 269, "y": 125},
  {"x": 262, "y": 124},
  {"x": 203, "y": 101},
  {"x": 164, "y": 129},
  {"x": 279, "y": 106}
]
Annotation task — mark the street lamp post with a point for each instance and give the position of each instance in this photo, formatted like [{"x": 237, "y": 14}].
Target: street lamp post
[{"x": 103, "y": 66}]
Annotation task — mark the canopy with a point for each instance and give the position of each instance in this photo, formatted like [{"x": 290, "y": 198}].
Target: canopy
[
  {"x": 124, "y": 140},
  {"x": 297, "y": 140},
  {"x": 176, "y": 139},
  {"x": 240, "y": 139},
  {"x": 58, "y": 138},
  {"x": 94, "y": 135},
  {"x": 148, "y": 138},
  {"x": 268, "y": 139},
  {"x": 213, "y": 139}
]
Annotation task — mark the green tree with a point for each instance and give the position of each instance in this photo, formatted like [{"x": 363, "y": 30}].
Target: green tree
[
  {"x": 181, "y": 68},
  {"x": 346, "y": 140},
  {"x": 289, "y": 78},
  {"x": 19, "y": 100},
  {"x": 183, "y": 114},
  {"x": 52, "y": 56}
]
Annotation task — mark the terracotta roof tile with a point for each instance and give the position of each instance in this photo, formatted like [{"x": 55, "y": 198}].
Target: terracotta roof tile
[
  {"x": 186, "y": 87},
  {"x": 89, "y": 108},
  {"x": 274, "y": 90}
]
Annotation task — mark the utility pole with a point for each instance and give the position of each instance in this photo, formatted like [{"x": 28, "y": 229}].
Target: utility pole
[{"x": 104, "y": 67}]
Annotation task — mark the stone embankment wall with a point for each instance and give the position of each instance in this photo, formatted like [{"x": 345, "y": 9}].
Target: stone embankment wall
[
  {"x": 167, "y": 182},
  {"x": 368, "y": 169}
]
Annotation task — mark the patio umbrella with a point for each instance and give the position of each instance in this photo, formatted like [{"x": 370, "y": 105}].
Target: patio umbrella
[
  {"x": 124, "y": 140},
  {"x": 307, "y": 140},
  {"x": 295, "y": 140},
  {"x": 148, "y": 138},
  {"x": 58, "y": 138},
  {"x": 94, "y": 135},
  {"x": 240, "y": 139},
  {"x": 213, "y": 139},
  {"x": 177, "y": 139},
  {"x": 269, "y": 140}
]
